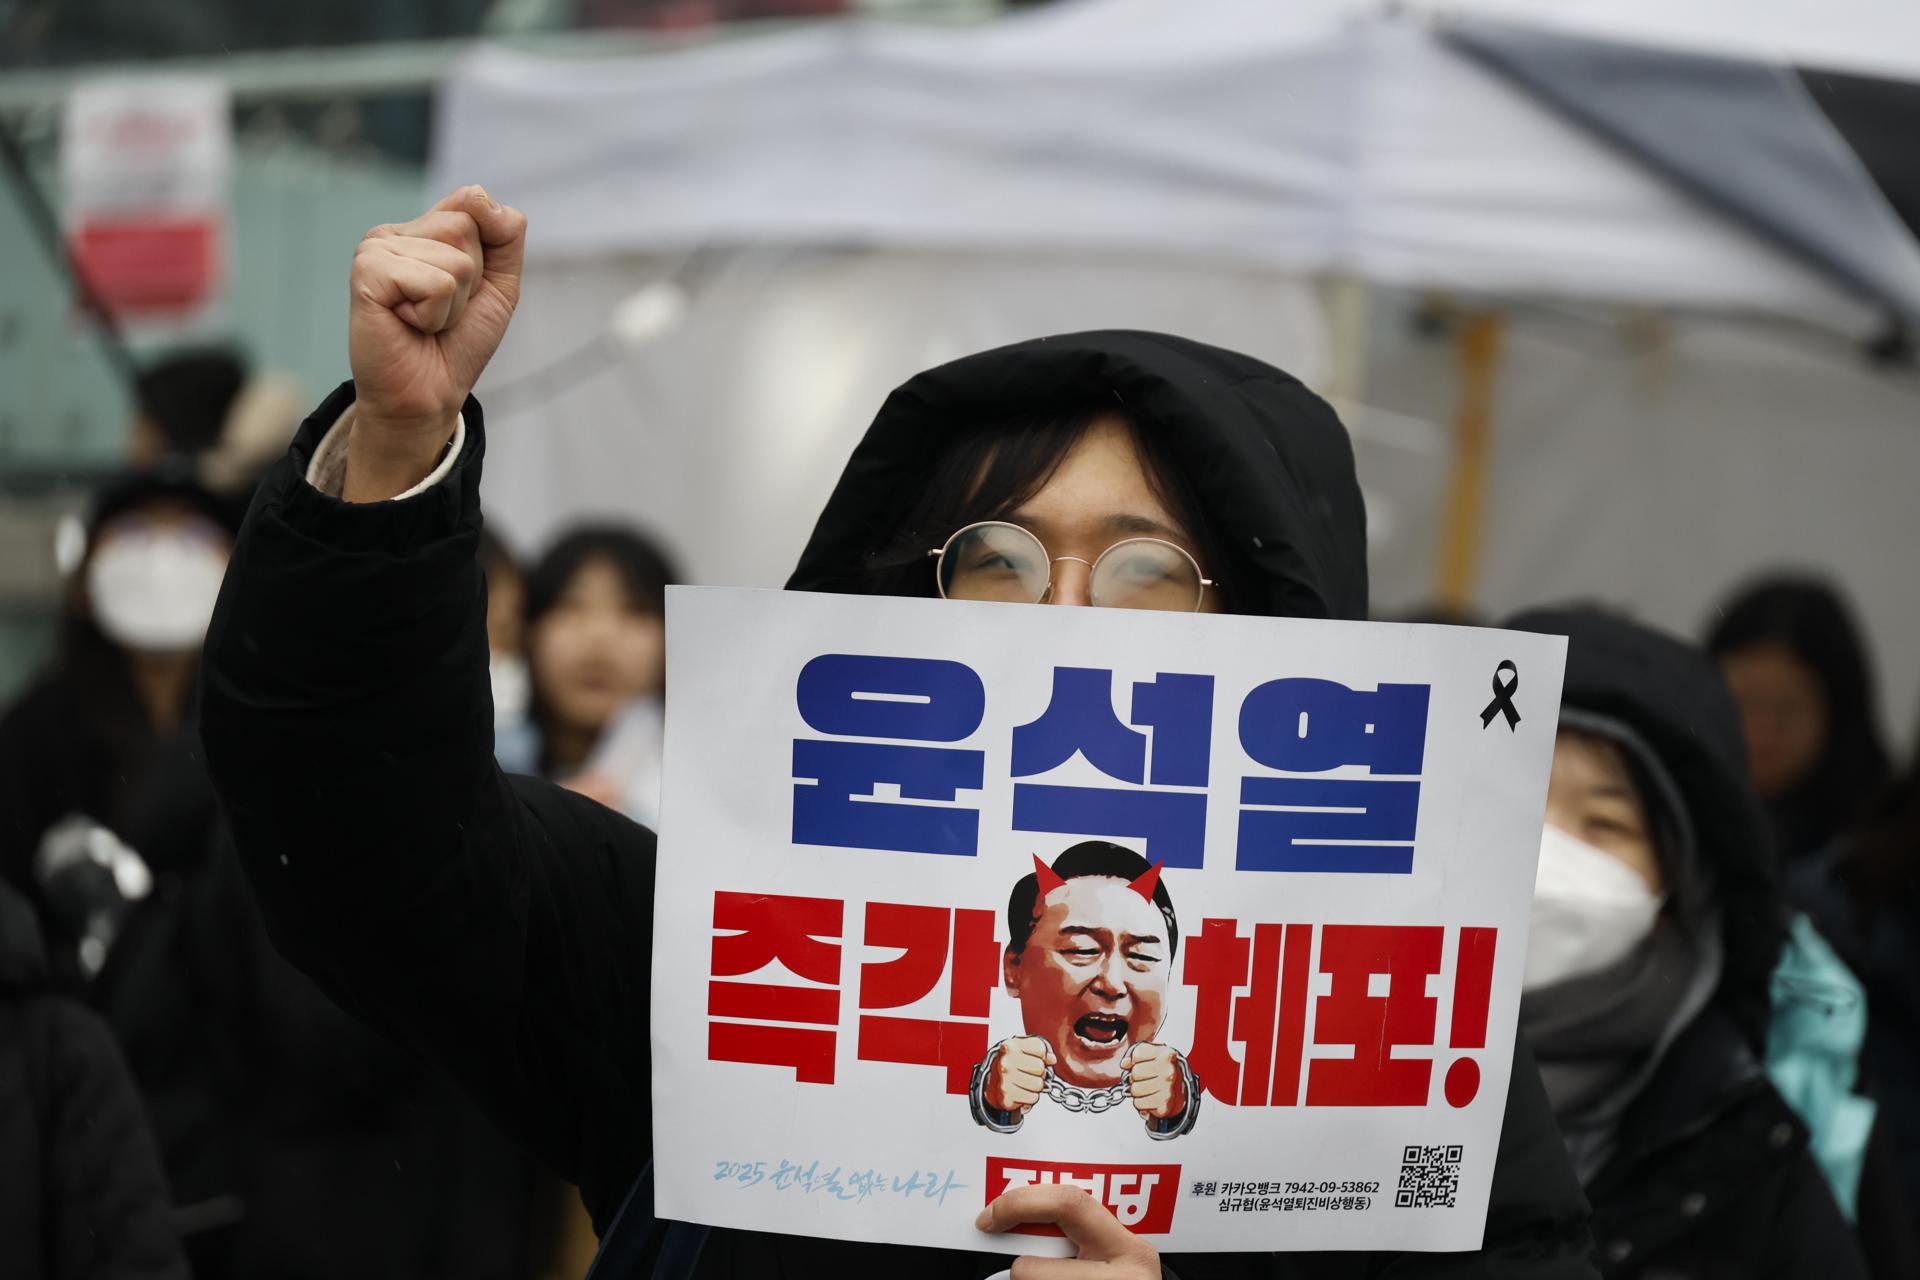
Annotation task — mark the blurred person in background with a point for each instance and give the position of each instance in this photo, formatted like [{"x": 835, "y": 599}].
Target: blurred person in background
[
  {"x": 1657, "y": 923},
  {"x": 296, "y": 1142},
  {"x": 595, "y": 635},
  {"x": 81, "y": 1193},
  {"x": 506, "y": 639},
  {"x": 1864, "y": 894},
  {"x": 181, "y": 402},
  {"x": 1793, "y": 656},
  {"x": 502, "y": 923},
  {"x": 81, "y": 740},
  {"x": 204, "y": 407}
]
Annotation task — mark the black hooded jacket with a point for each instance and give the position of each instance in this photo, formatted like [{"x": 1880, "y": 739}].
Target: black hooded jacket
[
  {"x": 81, "y": 1193},
  {"x": 1711, "y": 1175},
  {"x": 504, "y": 925},
  {"x": 1268, "y": 457}
]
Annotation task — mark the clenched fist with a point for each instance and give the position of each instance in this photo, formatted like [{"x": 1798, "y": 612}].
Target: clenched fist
[
  {"x": 430, "y": 301},
  {"x": 1155, "y": 1083},
  {"x": 1019, "y": 1074}
]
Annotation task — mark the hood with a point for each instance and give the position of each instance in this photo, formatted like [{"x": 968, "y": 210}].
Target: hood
[
  {"x": 1671, "y": 695},
  {"x": 23, "y": 958},
  {"x": 1268, "y": 457}
]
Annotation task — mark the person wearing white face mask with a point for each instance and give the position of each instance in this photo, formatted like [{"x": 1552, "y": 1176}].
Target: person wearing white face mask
[
  {"x": 78, "y": 744},
  {"x": 268, "y": 1105},
  {"x": 1656, "y": 924}
]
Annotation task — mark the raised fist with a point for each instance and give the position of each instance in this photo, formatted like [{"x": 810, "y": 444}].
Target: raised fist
[
  {"x": 430, "y": 301},
  {"x": 1019, "y": 1074},
  {"x": 1155, "y": 1083}
]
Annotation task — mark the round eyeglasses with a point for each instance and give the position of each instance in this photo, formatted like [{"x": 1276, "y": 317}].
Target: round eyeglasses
[{"x": 995, "y": 560}]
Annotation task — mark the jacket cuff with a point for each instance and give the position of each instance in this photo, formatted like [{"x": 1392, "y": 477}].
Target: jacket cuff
[
  {"x": 327, "y": 470},
  {"x": 444, "y": 504}
]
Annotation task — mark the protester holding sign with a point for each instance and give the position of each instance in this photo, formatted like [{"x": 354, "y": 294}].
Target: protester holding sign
[
  {"x": 1657, "y": 922},
  {"x": 505, "y": 926}
]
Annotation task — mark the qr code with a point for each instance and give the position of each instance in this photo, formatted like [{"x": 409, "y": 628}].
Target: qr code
[{"x": 1429, "y": 1178}]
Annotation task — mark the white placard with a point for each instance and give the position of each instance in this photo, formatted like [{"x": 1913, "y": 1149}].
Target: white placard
[{"x": 1298, "y": 918}]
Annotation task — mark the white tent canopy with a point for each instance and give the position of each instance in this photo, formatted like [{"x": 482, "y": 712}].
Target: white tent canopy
[
  {"x": 1868, "y": 37},
  {"x": 1300, "y": 137},
  {"x": 867, "y": 201}
]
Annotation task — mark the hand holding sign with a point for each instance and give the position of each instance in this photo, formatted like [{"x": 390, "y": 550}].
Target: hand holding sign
[
  {"x": 1155, "y": 1082},
  {"x": 430, "y": 301},
  {"x": 1019, "y": 1074},
  {"x": 1104, "y": 1248}
]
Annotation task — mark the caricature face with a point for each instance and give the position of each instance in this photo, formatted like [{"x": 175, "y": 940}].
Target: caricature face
[{"x": 1093, "y": 977}]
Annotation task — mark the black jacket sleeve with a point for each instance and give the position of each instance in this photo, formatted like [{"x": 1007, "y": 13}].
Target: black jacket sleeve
[
  {"x": 500, "y": 925},
  {"x": 1537, "y": 1216}
]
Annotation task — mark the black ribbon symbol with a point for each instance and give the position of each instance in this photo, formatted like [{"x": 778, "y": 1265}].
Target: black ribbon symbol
[{"x": 1502, "y": 703}]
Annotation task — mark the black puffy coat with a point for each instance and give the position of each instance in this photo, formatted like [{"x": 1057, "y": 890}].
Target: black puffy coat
[
  {"x": 81, "y": 1193},
  {"x": 300, "y": 1143},
  {"x": 504, "y": 924},
  {"x": 1710, "y": 1177}
]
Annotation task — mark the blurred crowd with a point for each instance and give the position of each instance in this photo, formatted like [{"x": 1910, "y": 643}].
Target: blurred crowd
[
  {"x": 161, "y": 1067},
  {"x": 1719, "y": 992}
]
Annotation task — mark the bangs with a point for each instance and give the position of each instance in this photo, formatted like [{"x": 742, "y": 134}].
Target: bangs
[{"x": 989, "y": 471}]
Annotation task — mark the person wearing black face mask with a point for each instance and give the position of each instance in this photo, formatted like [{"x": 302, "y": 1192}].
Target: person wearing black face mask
[{"x": 503, "y": 924}]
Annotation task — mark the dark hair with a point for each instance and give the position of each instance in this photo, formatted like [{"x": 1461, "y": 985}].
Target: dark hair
[
  {"x": 1088, "y": 858},
  {"x": 987, "y": 471},
  {"x": 643, "y": 566},
  {"x": 171, "y": 480},
  {"x": 187, "y": 395},
  {"x": 1806, "y": 617},
  {"x": 495, "y": 555},
  {"x": 1882, "y": 868}
]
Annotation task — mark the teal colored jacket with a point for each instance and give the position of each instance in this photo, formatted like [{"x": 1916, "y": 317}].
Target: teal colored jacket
[{"x": 1813, "y": 1055}]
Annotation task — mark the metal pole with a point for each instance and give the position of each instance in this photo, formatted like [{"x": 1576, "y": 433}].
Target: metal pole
[{"x": 46, "y": 225}]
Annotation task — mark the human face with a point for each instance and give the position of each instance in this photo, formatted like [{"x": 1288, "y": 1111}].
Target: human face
[
  {"x": 1592, "y": 796},
  {"x": 594, "y": 650},
  {"x": 152, "y": 576},
  {"x": 1098, "y": 495},
  {"x": 1092, "y": 980},
  {"x": 1784, "y": 710}
]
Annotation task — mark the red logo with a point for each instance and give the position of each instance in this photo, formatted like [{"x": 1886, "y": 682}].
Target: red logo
[{"x": 1142, "y": 1196}]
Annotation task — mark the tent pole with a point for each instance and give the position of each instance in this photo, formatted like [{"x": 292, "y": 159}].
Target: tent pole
[{"x": 1461, "y": 528}]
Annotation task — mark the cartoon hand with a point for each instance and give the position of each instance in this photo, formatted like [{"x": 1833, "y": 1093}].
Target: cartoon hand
[
  {"x": 1019, "y": 1073},
  {"x": 1155, "y": 1082}
]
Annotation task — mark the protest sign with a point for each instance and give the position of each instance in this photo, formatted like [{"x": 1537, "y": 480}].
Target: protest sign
[
  {"x": 145, "y": 164},
  {"x": 1219, "y": 918}
]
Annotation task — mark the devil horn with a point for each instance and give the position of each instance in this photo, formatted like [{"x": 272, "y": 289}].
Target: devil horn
[
  {"x": 1049, "y": 880},
  {"x": 1145, "y": 884}
]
